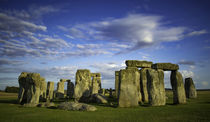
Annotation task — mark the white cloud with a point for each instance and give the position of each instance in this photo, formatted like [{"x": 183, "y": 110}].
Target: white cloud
[
  {"x": 196, "y": 33},
  {"x": 205, "y": 83},
  {"x": 187, "y": 73}
]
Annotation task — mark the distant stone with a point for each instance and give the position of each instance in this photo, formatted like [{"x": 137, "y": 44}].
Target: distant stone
[
  {"x": 83, "y": 85},
  {"x": 165, "y": 66},
  {"x": 30, "y": 85},
  {"x": 190, "y": 88},
  {"x": 138, "y": 64},
  {"x": 50, "y": 90},
  {"x": 155, "y": 86},
  {"x": 74, "y": 106},
  {"x": 143, "y": 84},
  {"x": 128, "y": 93},
  {"x": 96, "y": 80},
  {"x": 60, "y": 90},
  {"x": 116, "y": 83},
  {"x": 70, "y": 89},
  {"x": 177, "y": 84}
]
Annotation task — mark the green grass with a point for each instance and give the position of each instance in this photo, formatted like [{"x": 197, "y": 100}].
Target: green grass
[{"x": 195, "y": 110}]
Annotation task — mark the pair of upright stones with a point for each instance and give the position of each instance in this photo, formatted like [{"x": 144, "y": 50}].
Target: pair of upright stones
[
  {"x": 60, "y": 88},
  {"x": 147, "y": 85},
  {"x": 86, "y": 84}
]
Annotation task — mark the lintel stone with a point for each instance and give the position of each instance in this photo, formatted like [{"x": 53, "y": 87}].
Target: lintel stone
[
  {"x": 166, "y": 66},
  {"x": 138, "y": 63}
]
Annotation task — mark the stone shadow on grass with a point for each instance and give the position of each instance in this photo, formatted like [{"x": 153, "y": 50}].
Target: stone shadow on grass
[{"x": 9, "y": 101}]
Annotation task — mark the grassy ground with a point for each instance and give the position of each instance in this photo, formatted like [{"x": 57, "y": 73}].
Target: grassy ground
[{"x": 195, "y": 110}]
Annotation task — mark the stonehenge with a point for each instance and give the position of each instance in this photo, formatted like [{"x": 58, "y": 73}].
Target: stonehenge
[
  {"x": 140, "y": 82},
  {"x": 190, "y": 88}
]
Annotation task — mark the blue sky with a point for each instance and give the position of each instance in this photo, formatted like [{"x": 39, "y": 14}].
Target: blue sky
[{"x": 56, "y": 38}]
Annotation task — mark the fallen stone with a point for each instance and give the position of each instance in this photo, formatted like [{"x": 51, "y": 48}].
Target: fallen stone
[
  {"x": 165, "y": 66},
  {"x": 177, "y": 84},
  {"x": 29, "y": 105},
  {"x": 74, "y": 106},
  {"x": 46, "y": 104},
  {"x": 97, "y": 98},
  {"x": 138, "y": 64},
  {"x": 83, "y": 86},
  {"x": 128, "y": 93},
  {"x": 190, "y": 88}
]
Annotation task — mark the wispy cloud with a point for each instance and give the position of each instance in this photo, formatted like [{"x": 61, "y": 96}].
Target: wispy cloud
[
  {"x": 183, "y": 62},
  {"x": 196, "y": 33}
]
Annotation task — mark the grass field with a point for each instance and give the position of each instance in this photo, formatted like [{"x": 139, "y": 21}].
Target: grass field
[{"x": 195, "y": 110}]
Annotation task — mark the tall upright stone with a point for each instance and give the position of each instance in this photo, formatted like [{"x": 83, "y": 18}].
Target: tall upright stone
[
  {"x": 50, "y": 90},
  {"x": 155, "y": 87},
  {"x": 96, "y": 82},
  {"x": 177, "y": 84},
  {"x": 143, "y": 84},
  {"x": 70, "y": 89},
  {"x": 190, "y": 88},
  {"x": 116, "y": 83},
  {"x": 128, "y": 93},
  {"x": 43, "y": 89},
  {"x": 30, "y": 85},
  {"x": 83, "y": 84},
  {"x": 60, "y": 89}
]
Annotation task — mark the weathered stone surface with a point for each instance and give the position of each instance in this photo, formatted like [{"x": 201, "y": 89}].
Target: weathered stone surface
[
  {"x": 96, "y": 82},
  {"x": 165, "y": 66},
  {"x": 128, "y": 93},
  {"x": 74, "y": 106},
  {"x": 190, "y": 88},
  {"x": 177, "y": 84},
  {"x": 43, "y": 89},
  {"x": 83, "y": 84},
  {"x": 162, "y": 87},
  {"x": 70, "y": 89},
  {"x": 143, "y": 84},
  {"x": 30, "y": 85},
  {"x": 98, "y": 98},
  {"x": 50, "y": 90},
  {"x": 116, "y": 83},
  {"x": 139, "y": 64},
  {"x": 155, "y": 87},
  {"x": 60, "y": 89}
]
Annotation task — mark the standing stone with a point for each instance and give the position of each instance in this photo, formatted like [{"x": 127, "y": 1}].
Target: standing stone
[
  {"x": 110, "y": 93},
  {"x": 177, "y": 84},
  {"x": 143, "y": 84},
  {"x": 30, "y": 87},
  {"x": 50, "y": 90},
  {"x": 128, "y": 91},
  {"x": 60, "y": 89},
  {"x": 162, "y": 87},
  {"x": 43, "y": 89},
  {"x": 116, "y": 83},
  {"x": 83, "y": 84},
  {"x": 96, "y": 82},
  {"x": 155, "y": 87},
  {"x": 95, "y": 85},
  {"x": 190, "y": 88},
  {"x": 70, "y": 89}
]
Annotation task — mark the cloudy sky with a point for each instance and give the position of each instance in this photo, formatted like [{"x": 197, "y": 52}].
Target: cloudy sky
[{"x": 56, "y": 38}]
